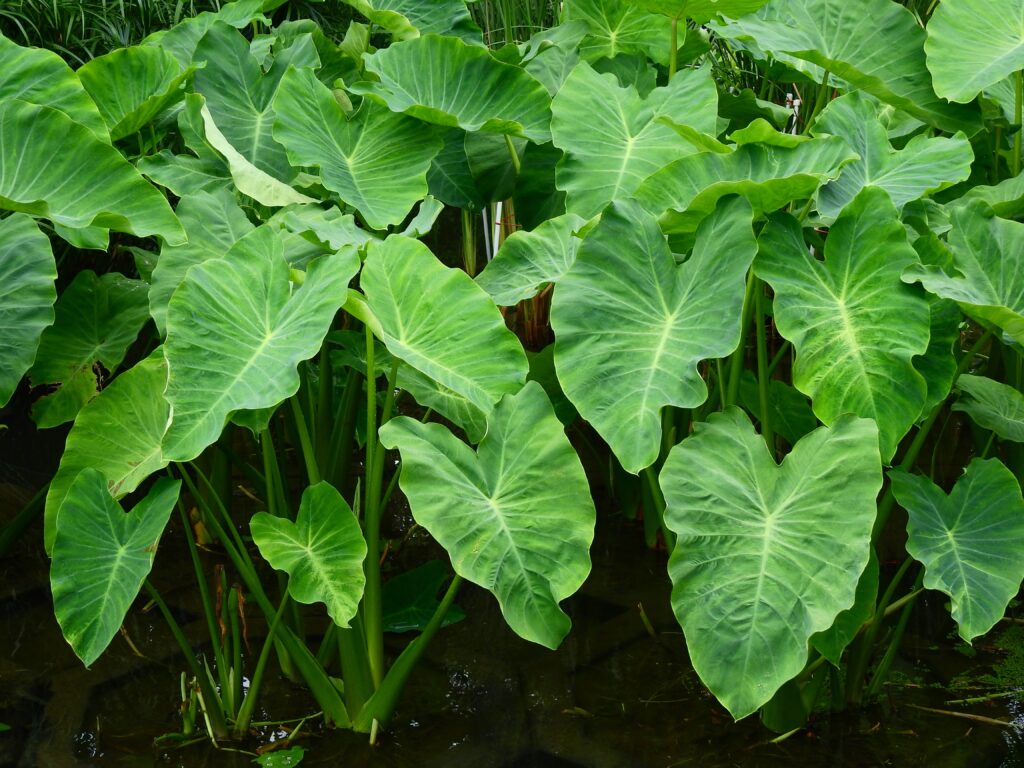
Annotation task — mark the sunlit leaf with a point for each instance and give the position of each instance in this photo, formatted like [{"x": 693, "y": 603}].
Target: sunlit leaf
[
  {"x": 27, "y": 295},
  {"x": 101, "y": 557},
  {"x": 854, "y": 324},
  {"x": 322, "y": 551},
  {"x": 515, "y": 516},
  {"x": 631, "y": 324},
  {"x": 766, "y": 555},
  {"x": 969, "y": 541}
]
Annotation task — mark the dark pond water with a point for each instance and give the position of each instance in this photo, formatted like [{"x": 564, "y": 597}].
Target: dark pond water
[{"x": 613, "y": 696}]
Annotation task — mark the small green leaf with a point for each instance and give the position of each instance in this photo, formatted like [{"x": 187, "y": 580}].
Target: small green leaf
[
  {"x": 992, "y": 405},
  {"x": 515, "y": 516},
  {"x": 281, "y": 758},
  {"x": 101, "y": 557},
  {"x": 322, "y": 551},
  {"x": 969, "y": 541},
  {"x": 767, "y": 555}
]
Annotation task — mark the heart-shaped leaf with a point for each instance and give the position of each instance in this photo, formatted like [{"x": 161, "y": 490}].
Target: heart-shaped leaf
[
  {"x": 422, "y": 306},
  {"x": 874, "y": 45},
  {"x": 322, "y": 551},
  {"x": 375, "y": 160},
  {"x": 516, "y": 516},
  {"x": 992, "y": 405},
  {"x": 117, "y": 433},
  {"x": 987, "y": 280},
  {"x": 766, "y": 555},
  {"x": 92, "y": 186},
  {"x": 631, "y": 324},
  {"x": 101, "y": 556},
  {"x": 854, "y": 325},
  {"x": 969, "y": 541},
  {"x": 528, "y": 260},
  {"x": 95, "y": 320},
  {"x": 923, "y": 166},
  {"x": 236, "y": 331},
  {"x": 27, "y": 295},
  {"x": 973, "y": 44},
  {"x": 446, "y": 81},
  {"x": 609, "y": 152}
]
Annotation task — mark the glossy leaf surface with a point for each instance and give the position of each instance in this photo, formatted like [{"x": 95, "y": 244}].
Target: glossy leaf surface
[
  {"x": 515, "y": 516},
  {"x": 631, "y": 324},
  {"x": 322, "y": 551},
  {"x": 236, "y": 330},
  {"x": 767, "y": 555},
  {"x": 101, "y": 557},
  {"x": 854, "y": 325},
  {"x": 968, "y": 541},
  {"x": 27, "y": 295}
]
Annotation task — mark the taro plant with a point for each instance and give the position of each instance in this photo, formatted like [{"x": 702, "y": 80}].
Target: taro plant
[{"x": 769, "y": 317}]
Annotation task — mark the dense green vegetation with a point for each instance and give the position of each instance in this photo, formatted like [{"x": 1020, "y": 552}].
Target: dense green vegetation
[{"x": 754, "y": 257}]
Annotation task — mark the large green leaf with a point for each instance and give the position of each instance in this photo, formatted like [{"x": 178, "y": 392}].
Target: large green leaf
[
  {"x": 117, "y": 433},
  {"x": 923, "y": 166},
  {"x": 528, "y": 260},
  {"x": 874, "y": 45},
  {"x": 992, "y": 405},
  {"x": 768, "y": 176},
  {"x": 973, "y": 44},
  {"x": 442, "y": 324},
  {"x": 446, "y": 81},
  {"x": 766, "y": 555},
  {"x": 516, "y": 516},
  {"x": 237, "y": 330},
  {"x": 101, "y": 557},
  {"x": 322, "y": 551},
  {"x": 854, "y": 325},
  {"x": 701, "y": 11},
  {"x": 27, "y": 294},
  {"x": 132, "y": 86},
  {"x": 631, "y": 324},
  {"x": 44, "y": 78},
  {"x": 969, "y": 541},
  {"x": 406, "y": 19},
  {"x": 181, "y": 39},
  {"x": 240, "y": 98},
  {"x": 619, "y": 26},
  {"x": 988, "y": 268},
  {"x": 610, "y": 151},
  {"x": 96, "y": 318},
  {"x": 90, "y": 186},
  {"x": 213, "y": 222},
  {"x": 376, "y": 160}
]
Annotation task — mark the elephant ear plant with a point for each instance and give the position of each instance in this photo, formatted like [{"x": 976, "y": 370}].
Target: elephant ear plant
[{"x": 765, "y": 315}]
